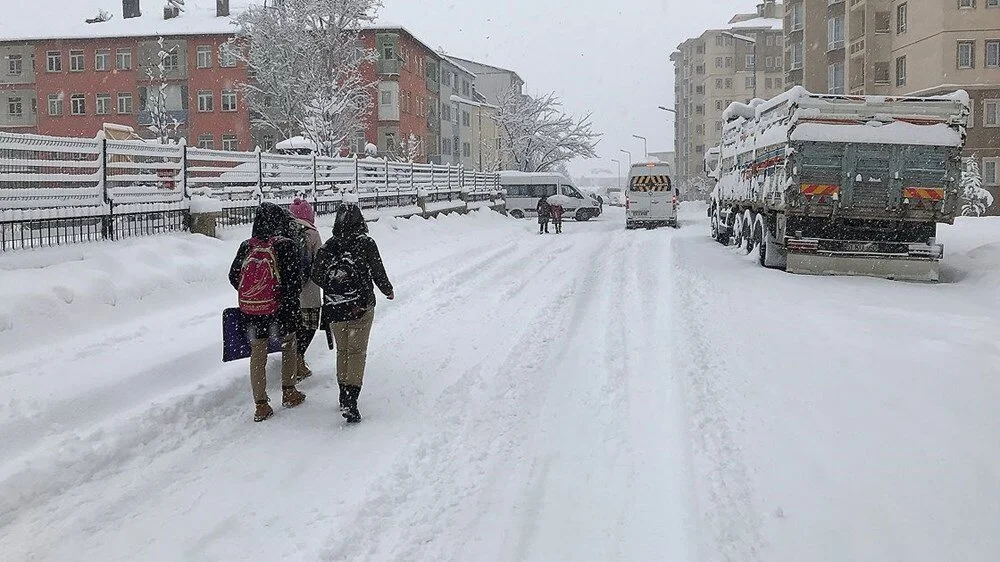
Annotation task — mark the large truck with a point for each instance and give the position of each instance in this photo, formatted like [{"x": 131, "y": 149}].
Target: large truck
[{"x": 834, "y": 184}]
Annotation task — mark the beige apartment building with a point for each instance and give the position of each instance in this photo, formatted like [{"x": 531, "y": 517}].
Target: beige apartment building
[
  {"x": 904, "y": 47},
  {"x": 735, "y": 63}
]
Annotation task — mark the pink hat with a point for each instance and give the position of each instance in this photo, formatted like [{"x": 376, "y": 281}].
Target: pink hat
[{"x": 303, "y": 210}]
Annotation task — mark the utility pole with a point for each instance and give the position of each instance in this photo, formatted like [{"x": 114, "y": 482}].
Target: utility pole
[
  {"x": 619, "y": 162},
  {"x": 645, "y": 145},
  {"x": 629, "y": 157}
]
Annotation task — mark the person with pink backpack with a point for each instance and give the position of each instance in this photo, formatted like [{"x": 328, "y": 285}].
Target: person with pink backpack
[{"x": 267, "y": 275}]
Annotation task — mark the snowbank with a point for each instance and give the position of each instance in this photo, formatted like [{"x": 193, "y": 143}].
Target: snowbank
[
  {"x": 878, "y": 132},
  {"x": 202, "y": 205}
]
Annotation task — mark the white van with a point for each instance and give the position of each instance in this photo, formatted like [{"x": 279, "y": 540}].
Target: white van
[
  {"x": 651, "y": 199},
  {"x": 524, "y": 189}
]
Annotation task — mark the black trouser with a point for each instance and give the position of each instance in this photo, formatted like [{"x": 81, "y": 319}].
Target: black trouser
[
  {"x": 543, "y": 224},
  {"x": 557, "y": 221}
]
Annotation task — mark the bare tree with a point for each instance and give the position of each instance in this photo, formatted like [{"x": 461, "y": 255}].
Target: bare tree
[
  {"x": 305, "y": 59},
  {"x": 161, "y": 123},
  {"x": 410, "y": 149},
  {"x": 538, "y": 135}
]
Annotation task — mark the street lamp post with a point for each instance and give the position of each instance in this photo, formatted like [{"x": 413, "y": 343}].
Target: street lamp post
[
  {"x": 752, "y": 41},
  {"x": 619, "y": 162},
  {"x": 645, "y": 144},
  {"x": 629, "y": 157},
  {"x": 674, "y": 111}
]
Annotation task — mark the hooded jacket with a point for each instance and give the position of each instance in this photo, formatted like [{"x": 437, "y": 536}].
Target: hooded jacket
[
  {"x": 271, "y": 221},
  {"x": 350, "y": 236},
  {"x": 312, "y": 296}
]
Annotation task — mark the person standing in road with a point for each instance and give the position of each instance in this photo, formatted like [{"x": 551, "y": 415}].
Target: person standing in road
[
  {"x": 556, "y": 210},
  {"x": 346, "y": 268},
  {"x": 267, "y": 275},
  {"x": 544, "y": 209},
  {"x": 311, "y": 298}
]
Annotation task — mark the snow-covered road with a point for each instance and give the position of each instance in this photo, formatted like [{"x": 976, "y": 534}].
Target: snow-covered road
[{"x": 600, "y": 395}]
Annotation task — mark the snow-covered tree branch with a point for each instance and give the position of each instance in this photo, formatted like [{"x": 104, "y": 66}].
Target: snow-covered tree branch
[
  {"x": 161, "y": 123},
  {"x": 538, "y": 135},
  {"x": 977, "y": 199},
  {"x": 304, "y": 58}
]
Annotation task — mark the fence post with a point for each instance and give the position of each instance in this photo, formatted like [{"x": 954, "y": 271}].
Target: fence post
[
  {"x": 108, "y": 222},
  {"x": 449, "y": 177},
  {"x": 315, "y": 181},
  {"x": 412, "y": 183},
  {"x": 260, "y": 175},
  {"x": 357, "y": 174},
  {"x": 184, "y": 167},
  {"x": 386, "y": 173}
]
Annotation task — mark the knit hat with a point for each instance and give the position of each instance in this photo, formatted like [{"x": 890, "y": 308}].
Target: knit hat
[{"x": 301, "y": 209}]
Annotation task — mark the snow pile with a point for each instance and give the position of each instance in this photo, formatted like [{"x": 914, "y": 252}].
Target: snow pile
[
  {"x": 877, "y": 132},
  {"x": 202, "y": 205}
]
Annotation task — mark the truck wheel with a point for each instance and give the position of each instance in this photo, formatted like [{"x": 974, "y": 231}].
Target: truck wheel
[
  {"x": 715, "y": 227},
  {"x": 517, "y": 214},
  {"x": 738, "y": 231},
  {"x": 583, "y": 215},
  {"x": 749, "y": 220},
  {"x": 758, "y": 239}
]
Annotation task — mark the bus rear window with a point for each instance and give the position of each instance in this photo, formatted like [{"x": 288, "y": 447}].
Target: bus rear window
[{"x": 650, "y": 183}]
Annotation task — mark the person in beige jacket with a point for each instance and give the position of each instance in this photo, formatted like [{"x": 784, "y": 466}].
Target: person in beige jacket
[{"x": 311, "y": 298}]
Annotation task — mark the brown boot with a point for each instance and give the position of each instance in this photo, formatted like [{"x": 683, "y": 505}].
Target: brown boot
[
  {"x": 263, "y": 412},
  {"x": 302, "y": 371},
  {"x": 290, "y": 397}
]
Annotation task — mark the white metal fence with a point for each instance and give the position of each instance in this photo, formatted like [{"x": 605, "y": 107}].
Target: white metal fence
[{"x": 59, "y": 185}]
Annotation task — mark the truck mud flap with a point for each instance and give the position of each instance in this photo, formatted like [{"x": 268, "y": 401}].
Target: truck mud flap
[{"x": 898, "y": 268}]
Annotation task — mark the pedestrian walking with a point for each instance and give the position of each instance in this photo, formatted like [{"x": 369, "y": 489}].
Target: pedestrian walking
[
  {"x": 346, "y": 268},
  {"x": 544, "y": 209},
  {"x": 311, "y": 299},
  {"x": 267, "y": 276}
]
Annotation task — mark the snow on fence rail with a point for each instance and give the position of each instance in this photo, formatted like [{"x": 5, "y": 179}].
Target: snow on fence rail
[{"x": 56, "y": 190}]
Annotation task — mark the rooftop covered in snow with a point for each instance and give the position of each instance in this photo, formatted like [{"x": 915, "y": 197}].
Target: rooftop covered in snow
[{"x": 64, "y": 19}]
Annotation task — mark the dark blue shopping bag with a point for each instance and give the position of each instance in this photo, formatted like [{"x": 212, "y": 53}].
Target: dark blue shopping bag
[{"x": 235, "y": 342}]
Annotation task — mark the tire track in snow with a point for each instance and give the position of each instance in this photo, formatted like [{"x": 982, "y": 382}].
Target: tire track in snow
[
  {"x": 413, "y": 514},
  {"x": 725, "y": 492}
]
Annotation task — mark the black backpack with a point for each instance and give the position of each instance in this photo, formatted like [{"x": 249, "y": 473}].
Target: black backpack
[{"x": 344, "y": 280}]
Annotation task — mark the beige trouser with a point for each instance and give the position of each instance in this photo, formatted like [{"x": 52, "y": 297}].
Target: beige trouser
[
  {"x": 352, "y": 348},
  {"x": 258, "y": 365}
]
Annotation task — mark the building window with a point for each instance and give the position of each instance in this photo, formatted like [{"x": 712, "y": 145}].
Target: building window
[
  {"x": 466, "y": 150},
  {"x": 729, "y": 83},
  {"x": 230, "y": 142},
  {"x": 387, "y": 98},
  {"x": 78, "y": 104},
  {"x": 102, "y": 60},
  {"x": 53, "y": 61},
  {"x": 55, "y": 104},
  {"x": 699, "y": 110},
  {"x": 171, "y": 61},
  {"x": 748, "y": 84},
  {"x": 769, "y": 62},
  {"x": 466, "y": 121},
  {"x": 15, "y": 65},
  {"x": 700, "y": 90},
  {"x": 125, "y": 104},
  {"x": 718, "y": 83},
  {"x": 700, "y": 69},
  {"x": 993, "y": 52},
  {"x": 34, "y": 106},
  {"x": 446, "y": 147},
  {"x": 204, "y": 56},
  {"x": 14, "y": 107},
  {"x": 966, "y": 4},
  {"x": 768, "y": 83},
  {"x": 718, "y": 40},
  {"x": 991, "y": 113},
  {"x": 123, "y": 59},
  {"x": 103, "y": 104},
  {"x": 466, "y": 89},
  {"x": 993, "y": 3},
  {"x": 901, "y": 19},
  {"x": 76, "y": 63},
  {"x": 718, "y": 62},
  {"x": 797, "y": 17},
  {"x": 206, "y": 141},
  {"x": 901, "y": 71},
  {"x": 718, "y": 105},
  {"x": 990, "y": 169},
  {"x": 966, "y": 54},
  {"x": 718, "y": 125},
  {"x": 227, "y": 55},
  {"x": 835, "y": 78},
  {"x": 796, "y": 63},
  {"x": 228, "y": 100},
  {"x": 835, "y": 33},
  {"x": 729, "y": 62},
  {"x": 206, "y": 101},
  {"x": 446, "y": 113}
]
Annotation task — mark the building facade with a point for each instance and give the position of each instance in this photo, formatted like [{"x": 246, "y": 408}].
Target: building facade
[
  {"x": 904, "y": 47},
  {"x": 73, "y": 85},
  {"x": 736, "y": 63}
]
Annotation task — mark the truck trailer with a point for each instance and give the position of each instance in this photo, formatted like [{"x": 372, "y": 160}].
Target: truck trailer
[{"x": 837, "y": 184}]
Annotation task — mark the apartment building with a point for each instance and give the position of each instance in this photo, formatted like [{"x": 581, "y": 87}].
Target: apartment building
[
  {"x": 904, "y": 47},
  {"x": 480, "y": 97},
  {"x": 68, "y": 74},
  {"x": 736, "y": 63},
  {"x": 492, "y": 82}
]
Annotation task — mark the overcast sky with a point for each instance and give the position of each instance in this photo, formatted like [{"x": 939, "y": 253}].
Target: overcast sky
[{"x": 606, "y": 57}]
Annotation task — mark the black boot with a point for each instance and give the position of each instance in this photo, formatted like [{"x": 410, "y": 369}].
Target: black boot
[
  {"x": 349, "y": 407},
  {"x": 343, "y": 397}
]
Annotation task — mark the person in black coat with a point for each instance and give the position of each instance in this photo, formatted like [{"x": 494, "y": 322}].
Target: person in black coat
[
  {"x": 544, "y": 212},
  {"x": 271, "y": 225},
  {"x": 346, "y": 268}
]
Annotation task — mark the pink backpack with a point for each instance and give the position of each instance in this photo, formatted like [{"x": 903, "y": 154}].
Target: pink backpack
[{"x": 259, "y": 279}]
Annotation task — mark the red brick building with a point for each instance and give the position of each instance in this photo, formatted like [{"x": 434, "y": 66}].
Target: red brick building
[
  {"x": 407, "y": 101},
  {"x": 67, "y": 77}
]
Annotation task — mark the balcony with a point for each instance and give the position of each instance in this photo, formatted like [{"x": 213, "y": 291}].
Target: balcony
[
  {"x": 388, "y": 67},
  {"x": 145, "y": 118}
]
